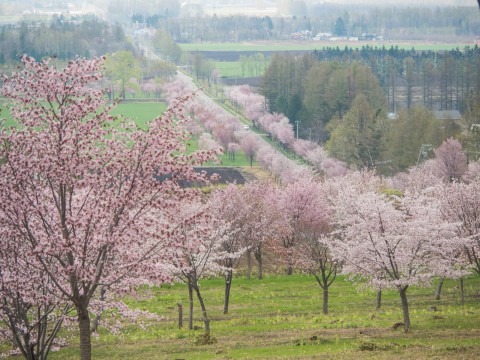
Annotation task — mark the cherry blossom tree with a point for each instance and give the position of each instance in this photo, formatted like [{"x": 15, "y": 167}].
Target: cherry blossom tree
[
  {"x": 233, "y": 148},
  {"x": 461, "y": 204},
  {"x": 262, "y": 219},
  {"x": 311, "y": 251},
  {"x": 229, "y": 205},
  {"x": 302, "y": 209},
  {"x": 201, "y": 252},
  {"x": 473, "y": 172},
  {"x": 391, "y": 243},
  {"x": 249, "y": 144},
  {"x": 85, "y": 197},
  {"x": 450, "y": 160}
]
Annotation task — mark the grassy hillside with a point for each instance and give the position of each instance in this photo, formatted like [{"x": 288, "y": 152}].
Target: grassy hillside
[{"x": 280, "y": 318}]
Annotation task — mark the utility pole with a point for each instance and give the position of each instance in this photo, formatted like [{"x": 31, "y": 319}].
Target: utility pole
[{"x": 296, "y": 122}]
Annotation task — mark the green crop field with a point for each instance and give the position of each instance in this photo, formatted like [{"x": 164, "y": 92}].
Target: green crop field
[
  {"x": 280, "y": 317},
  {"x": 307, "y": 45}
]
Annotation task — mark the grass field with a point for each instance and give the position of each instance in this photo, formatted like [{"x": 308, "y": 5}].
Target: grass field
[
  {"x": 233, "y": 69},
  {"x": 306, "y": 45},
  {"x": 230, "y": 69},
  {"x": 141, "y": 114},
  {"x": 280, "y": 317}
]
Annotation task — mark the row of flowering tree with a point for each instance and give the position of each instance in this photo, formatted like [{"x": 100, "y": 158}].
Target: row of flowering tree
[
  {"x": 215, "y": 127},
  {"x": 354, "y": 225},
  {"x": 280, "y": 129}
]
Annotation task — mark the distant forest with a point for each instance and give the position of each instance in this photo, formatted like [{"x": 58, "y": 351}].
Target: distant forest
[
  {"x": 378, "y": 106},
  {"x": 440, "y": 23},
  {"x": 62, "y": 39},
  {"x": 437, "y": 80}
]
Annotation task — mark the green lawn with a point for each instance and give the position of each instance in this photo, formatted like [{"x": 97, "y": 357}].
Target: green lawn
[
  {"x": 280, "y": 317},
  {"x": 233, "y": 69},
  {"x": 300, "y": 45},
  {"x": 140, "y": 113},
  {"x": 230, "y": 69}
]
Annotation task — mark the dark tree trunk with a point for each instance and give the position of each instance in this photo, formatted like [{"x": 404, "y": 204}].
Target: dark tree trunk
[
  {"x": 379, "y": 299},
  {"x": 406, "y": 314},
  {"x": 84, "y": 326},
  {"x": 190, "y": 308},
  {"x": 249, "y": 264},
  {"x": 228, "y": 285},
  {"x": 180, "y": 315},
  {"x": 439, "y": 289},
  {"x": 325, "y": 301},
  {"x": 259, "y": 257},
  {"x": 290, "y": 270},
  {"x": 206, "y": 320}
]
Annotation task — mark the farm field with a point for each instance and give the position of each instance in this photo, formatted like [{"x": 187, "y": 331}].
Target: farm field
[
  {"x": 312, "y": 45},
  {"x": 280, "y": 317}
]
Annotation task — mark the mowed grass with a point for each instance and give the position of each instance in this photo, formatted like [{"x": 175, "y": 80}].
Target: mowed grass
[
  {"x": 233, "y": 69},
  {"x": 280, "y": 317},
  {"x": 230, "y": 69},
  {"x": 312, "y": 45},
  {"x": 140, "y": 113}
]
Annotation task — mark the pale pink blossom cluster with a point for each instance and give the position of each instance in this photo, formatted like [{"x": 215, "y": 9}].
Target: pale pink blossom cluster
[
  {"x": 151, "y": 86},
  {"x": 174, "y": 90},
  {"x": 252, "y": 103}
]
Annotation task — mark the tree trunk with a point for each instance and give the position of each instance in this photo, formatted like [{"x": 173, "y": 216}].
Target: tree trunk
[
  {"x": 206, "y": 321},
  {"x": 462, "y": 293},
  {"x": 180, "y": 315},
  {"x": 96, "y": 321},
  {"x": 439, "y": 288},
  {"x": 379, "y": 299},
  {"x": 84, "y": 326},
  {"x": 259, "y": 257},
  {"x": 290, "y": 270},
  {"x": 325, "y": 301},
  {"x": 406, "y": 314},
  {"x": 249, "y": 264},
  {"x": 190, "y": 309},
  {"x": 228, "y": 285}
]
